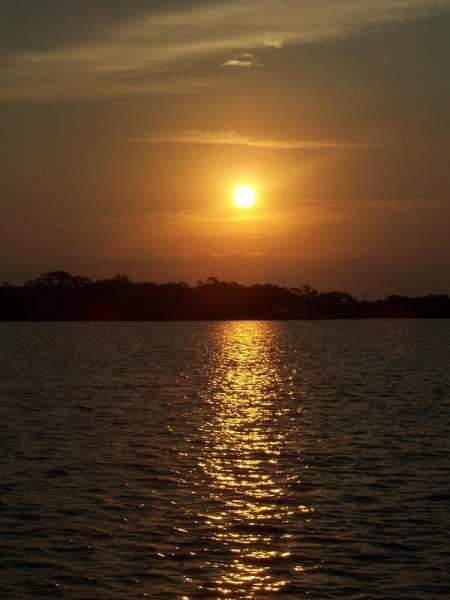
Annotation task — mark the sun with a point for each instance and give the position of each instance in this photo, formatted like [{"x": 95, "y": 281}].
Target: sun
[{"x": 244, "y": 196}]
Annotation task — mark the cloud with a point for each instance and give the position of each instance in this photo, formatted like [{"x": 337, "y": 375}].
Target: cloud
[
  {"x": 233, "y": 138},
  {"x": 322, "y": 271},
  {"x": 241, "y": 60},
  {"x": 233, "y": 62},
  {"x": 338, "y": 253},
  {"x": 168, "y": 51},
  {"x": 273, "y": 43}
]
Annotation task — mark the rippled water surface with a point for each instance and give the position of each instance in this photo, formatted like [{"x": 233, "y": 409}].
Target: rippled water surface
[{"x": 241, "y": 460}]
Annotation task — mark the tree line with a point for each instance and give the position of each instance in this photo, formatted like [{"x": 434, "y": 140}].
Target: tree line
[{"x": 57, "y": 295}]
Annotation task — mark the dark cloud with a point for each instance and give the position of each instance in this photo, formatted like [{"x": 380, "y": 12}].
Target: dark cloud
[{"x": 46, "y": 24}]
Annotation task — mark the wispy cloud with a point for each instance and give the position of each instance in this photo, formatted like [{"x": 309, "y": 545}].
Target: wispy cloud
[
  {"x": 241, "y": 60},
  {"x": 234, "y": 62},
  {"x": 132, "y": 58},
  {"x": 233, "y": 138},
  {"x": 249, "y": 268}
]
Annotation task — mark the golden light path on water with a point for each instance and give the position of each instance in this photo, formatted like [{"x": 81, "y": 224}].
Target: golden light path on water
[{"x": 250, "y": 501}]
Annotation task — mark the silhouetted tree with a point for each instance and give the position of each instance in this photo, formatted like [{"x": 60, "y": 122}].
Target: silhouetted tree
[
  {"x": 212, "y": 281},
  {"x": 52, "y": 278},
  {"x": 57, "y": 295},
  {"x": 80, "y": 281}
]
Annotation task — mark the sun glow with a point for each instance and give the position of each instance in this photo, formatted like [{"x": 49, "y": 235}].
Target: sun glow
[{"x": 244, "y": 196}]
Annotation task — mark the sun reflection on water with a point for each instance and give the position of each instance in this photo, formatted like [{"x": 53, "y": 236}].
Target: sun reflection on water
[{"x": 249, "y": 494}]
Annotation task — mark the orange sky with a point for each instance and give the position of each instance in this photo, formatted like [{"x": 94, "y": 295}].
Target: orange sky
[{"x": 126, "y": 127}]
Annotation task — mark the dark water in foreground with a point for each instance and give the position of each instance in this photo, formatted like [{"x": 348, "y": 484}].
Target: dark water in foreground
[{"x": 240, "y": 460}]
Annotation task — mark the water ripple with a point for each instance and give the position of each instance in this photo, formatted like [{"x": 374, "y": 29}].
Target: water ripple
[{"x": 224, "y": 460}]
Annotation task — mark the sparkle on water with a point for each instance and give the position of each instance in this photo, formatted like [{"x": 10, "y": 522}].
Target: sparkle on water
[
  {"x": 242, "y": 458},
  {"x": 225, "y": 460}
]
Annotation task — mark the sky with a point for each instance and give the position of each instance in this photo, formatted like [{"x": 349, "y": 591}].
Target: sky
[{"x": 126, "y": 126}]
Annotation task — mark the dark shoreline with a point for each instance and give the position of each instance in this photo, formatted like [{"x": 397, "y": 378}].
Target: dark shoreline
[{"x": 57, "y": 296}]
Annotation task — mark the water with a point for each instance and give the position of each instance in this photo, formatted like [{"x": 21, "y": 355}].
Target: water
[{"x": 241, "y": 460}]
